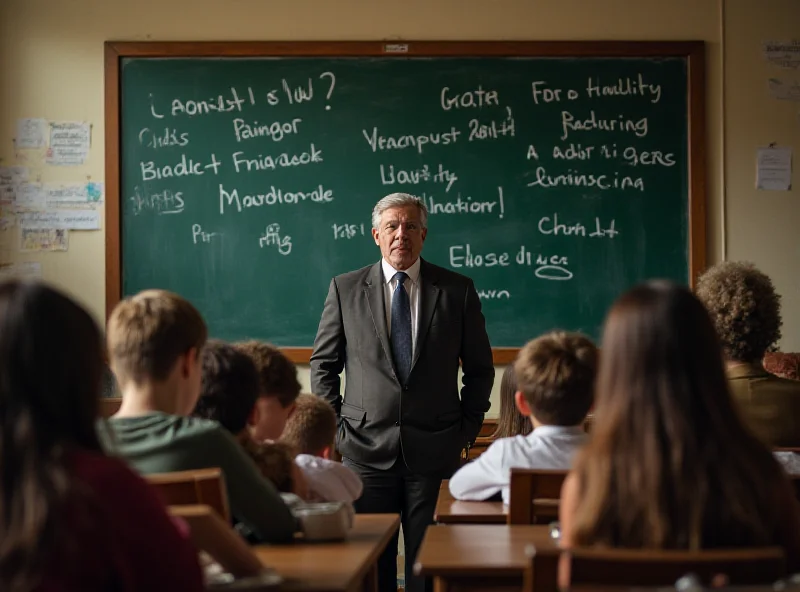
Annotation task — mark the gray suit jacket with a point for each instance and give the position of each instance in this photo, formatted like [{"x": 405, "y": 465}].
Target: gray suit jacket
[{"x": 424, "y": 420}]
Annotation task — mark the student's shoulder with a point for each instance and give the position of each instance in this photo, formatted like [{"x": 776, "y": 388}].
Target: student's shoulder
[{"x": 108, "y": 477}]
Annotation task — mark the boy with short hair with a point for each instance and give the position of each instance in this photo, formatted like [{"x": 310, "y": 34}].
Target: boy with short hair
[
  {"x": 155, "y": 340},
  {"x": 555, "y": 388},
  {"x": 311, "y": 430},
  {"x": 228, "y": 393},
  {"x": 279, "y": 389}
]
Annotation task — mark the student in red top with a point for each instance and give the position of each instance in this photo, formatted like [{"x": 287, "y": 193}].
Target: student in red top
[{"x": 70, "y": 517}]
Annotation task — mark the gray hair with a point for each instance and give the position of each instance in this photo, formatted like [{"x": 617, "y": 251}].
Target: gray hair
[{"x": 397, "y": 200}]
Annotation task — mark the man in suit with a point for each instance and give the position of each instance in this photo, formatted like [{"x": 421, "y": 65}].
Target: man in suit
[{"x": 399, "y": 329}]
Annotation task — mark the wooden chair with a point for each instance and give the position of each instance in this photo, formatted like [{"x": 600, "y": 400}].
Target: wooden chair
[
  {"x": 534, "y": 495},
  {"x": 109, "y": 406},
  {"x": 201, "y": 486},
  {"x": 626, "y": 568},
  {"x": 210, "y": 533}
]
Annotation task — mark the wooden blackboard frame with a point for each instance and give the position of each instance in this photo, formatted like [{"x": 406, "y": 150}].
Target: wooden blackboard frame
[{"x": 692, "y": 51}]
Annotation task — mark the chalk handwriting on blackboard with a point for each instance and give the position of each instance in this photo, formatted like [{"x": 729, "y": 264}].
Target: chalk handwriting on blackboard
[
  {"x": 574, "y": 178},
  {"x": 348, "y": 231},
  {"x": 162, "y": 139},
  {"x": 183, "y": 168},
  {"x": 622, "y": 87},
  {"x": 231, "y": 198},
  {"x": 379, "y": 142},
  {"x": 162, "y": 202},
  {"x": 276, "y": 130},
  {"x": 271, "y": 162},
  {"x": 478, "y": 98},
  {"x": 272, "y": 237},
  {"x": 200, "y": 236},
  {"x": 591, "y": 123}
]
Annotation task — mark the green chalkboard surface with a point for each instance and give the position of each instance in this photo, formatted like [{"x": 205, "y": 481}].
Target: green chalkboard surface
[{"x": 245, "y": 182}]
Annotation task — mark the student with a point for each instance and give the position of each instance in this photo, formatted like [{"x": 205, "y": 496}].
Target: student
[
  {"x": 511, "y": 422},
  {"x": 228, "y": 393},
  {"x": 311, "y": 430},
  {"x": 155, "y": 340},
  {"x": 72, "y": 519},
  {"x": 555, "y": 375},
  {"x": 670, "y": 464},
  {"x": 746, "y": 313},
  {"x": 279, "y": 389}
]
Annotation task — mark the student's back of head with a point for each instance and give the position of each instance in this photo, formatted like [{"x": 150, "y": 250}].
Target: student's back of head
[
  {"x": 744, "y": 307},
  {"x": 670, "y": 464},
  {"x": 311, "y": 429},
  {"x": 555, "y": 376},
  {"x": 50, "y": 374},
  {"x": 279, "y": 389},
  {"x": 229, "y": 387},
  {"x": 155, "y": 339}
]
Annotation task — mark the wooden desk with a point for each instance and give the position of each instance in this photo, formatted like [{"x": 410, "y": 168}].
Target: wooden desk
[
  {"x": 451, "y": 511},
  {"x": 477, "y": 557},
  {"x": 344, "y": 566}
]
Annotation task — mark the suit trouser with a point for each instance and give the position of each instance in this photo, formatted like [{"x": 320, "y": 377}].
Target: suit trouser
[{"x": 399, "y": 491}]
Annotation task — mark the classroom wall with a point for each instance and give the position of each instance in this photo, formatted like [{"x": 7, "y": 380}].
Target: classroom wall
[{"x": 51, "y": 66}]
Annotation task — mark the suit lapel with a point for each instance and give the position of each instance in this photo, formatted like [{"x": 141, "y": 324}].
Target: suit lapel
[
  {"x": 373, "y": 290},
  {"x": 428, "y": 297}
]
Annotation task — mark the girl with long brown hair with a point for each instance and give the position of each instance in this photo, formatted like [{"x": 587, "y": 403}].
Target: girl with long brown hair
[
  {"x": 670, "y": 465},
  {"x": 510, "y": 421},
  {"x": 70, "y": 517}
]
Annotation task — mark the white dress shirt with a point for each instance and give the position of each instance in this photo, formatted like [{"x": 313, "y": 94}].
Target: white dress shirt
[
  {"x": 412, "y": 285},
  {"x": 329, "y": 481},
  {"x": 546, "y": 447}
]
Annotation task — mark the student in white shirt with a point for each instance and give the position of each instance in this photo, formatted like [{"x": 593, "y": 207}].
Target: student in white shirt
[
  {"x": 555, "y": 377},
  {"x": 311, "y": 430}
]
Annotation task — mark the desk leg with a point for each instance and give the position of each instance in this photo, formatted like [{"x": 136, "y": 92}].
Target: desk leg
[
  {"x": 371, "y": 580},
  {"x": 441, "y": 584}
]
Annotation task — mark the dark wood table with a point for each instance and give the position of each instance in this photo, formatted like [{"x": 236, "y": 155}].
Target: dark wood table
[
  {"x": 342, "y": 566},
  {"x": 479, "y": 557},
  {"x": 451, "y": 511}
]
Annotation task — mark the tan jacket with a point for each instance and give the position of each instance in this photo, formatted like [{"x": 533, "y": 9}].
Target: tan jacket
[{"x": 769, "y": 405}]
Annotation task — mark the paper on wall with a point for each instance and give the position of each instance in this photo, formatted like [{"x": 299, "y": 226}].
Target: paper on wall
[
  {"x": 43, "y": 239},
  {"x": 784, "y": 90},
  {"x": 30, "y": 195},
  {"x": 30, "y": 133},
  {"x": 774, "y": 169},
  {"x": 26, "y": 270},
  {"x": 8, "y": 218},
  {"x": 69, "y": 142},
  {"x": 74, "y": 193},
  {"x": 71, "y": 219},
  {"x": 783, "y": 53},
  {"x": 10, "y": 178}
]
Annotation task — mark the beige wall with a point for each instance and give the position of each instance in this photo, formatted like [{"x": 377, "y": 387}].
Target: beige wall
[{"x": 51, "y": 66}]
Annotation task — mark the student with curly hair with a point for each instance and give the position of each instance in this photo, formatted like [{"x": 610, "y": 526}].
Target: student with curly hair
[
  {"x": 670, "y": 464},
  {"x": 746, "y": 312}
]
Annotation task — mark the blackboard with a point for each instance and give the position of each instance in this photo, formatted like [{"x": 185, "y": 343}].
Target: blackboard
[{"x": 243, "y": 175}]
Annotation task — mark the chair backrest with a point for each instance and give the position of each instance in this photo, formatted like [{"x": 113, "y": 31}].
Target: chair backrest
[
  {"x": 109, "y": 406},
  {"x": 210, "y": 533},
  {"x": 200, "y": 486},
  {"x": 623, "y": 567},
  {"x": 534, "y": 495}
]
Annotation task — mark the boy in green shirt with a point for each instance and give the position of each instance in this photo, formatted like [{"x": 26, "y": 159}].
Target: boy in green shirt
[{"x": 155, "y": 340}]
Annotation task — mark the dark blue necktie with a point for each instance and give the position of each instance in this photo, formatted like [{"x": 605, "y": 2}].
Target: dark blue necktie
[{"x": 401, "y": 328}]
